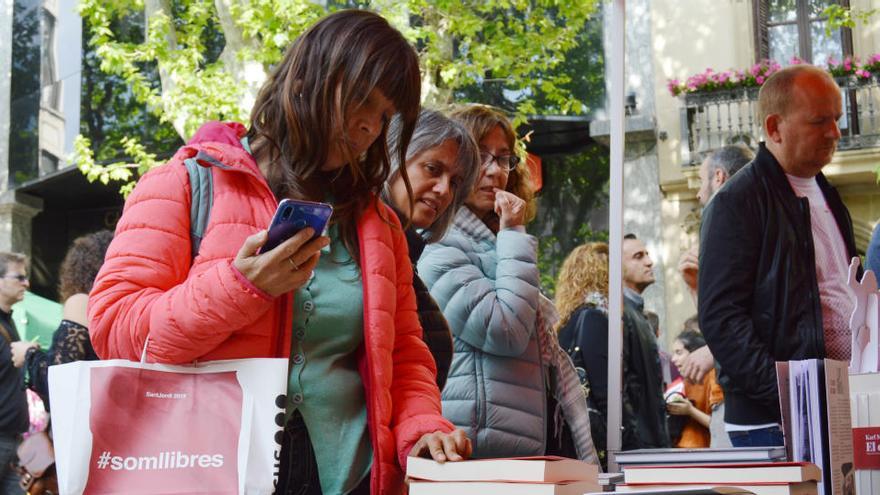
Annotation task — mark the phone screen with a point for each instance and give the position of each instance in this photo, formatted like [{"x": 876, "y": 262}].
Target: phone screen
[{"x": 294, "y": 215}]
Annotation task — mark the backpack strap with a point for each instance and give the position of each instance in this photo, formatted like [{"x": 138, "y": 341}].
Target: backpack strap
[{"x": 201, "y": 183}]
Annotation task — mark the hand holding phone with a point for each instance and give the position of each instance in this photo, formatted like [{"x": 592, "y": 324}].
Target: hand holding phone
[
  {"x": 281, "y": 259},
  {"x": 294, "y": 215}
]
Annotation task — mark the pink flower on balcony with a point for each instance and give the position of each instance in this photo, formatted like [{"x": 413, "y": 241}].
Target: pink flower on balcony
[
  {"x": 674, "y": 87},
  {"x": 863, "y": 74},
  {"x": 759, "y": 80},
  {"x": 796, "y": 61}
]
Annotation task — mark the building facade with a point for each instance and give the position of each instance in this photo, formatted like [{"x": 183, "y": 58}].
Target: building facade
[{"x": 686, "y": 38}]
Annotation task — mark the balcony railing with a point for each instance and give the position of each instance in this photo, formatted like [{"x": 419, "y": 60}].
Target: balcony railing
[{"x": 712, "y": 120}]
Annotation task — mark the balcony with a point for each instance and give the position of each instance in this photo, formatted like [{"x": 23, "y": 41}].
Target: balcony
[{"x": 714, "y": 119}]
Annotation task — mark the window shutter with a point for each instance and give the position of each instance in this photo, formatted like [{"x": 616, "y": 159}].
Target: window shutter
[{"x": 761, "y": 10}]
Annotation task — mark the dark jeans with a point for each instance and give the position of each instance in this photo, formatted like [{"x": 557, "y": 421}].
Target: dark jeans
[
  {"x": 8, "y": 476},
  {"x": 299, "y": 469},
  {"x": 764, "y": 437}
]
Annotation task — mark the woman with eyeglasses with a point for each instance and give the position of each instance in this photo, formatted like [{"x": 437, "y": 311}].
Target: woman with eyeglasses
[{"x": 510, "y": 388}]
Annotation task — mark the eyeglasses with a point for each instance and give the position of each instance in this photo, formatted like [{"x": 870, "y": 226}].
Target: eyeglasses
[
  {"x": 20, "y": 278},
  {"x": 506, "y": 162}
]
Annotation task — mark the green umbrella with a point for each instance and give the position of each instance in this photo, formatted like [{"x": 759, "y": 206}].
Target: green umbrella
[{"x": 36, "y": 318}]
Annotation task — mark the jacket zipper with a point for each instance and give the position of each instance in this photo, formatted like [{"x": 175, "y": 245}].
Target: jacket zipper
[
  {"x": 544, "y": 380},
  {"x": 481, "y": 399},
  {"x": 814, "y": 296}
]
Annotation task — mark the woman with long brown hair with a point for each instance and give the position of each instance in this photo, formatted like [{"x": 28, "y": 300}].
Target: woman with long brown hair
[{"x": 361, "y": 394}]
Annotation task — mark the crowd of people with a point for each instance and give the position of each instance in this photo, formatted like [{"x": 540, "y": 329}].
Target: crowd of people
[{"x": 415, "y": 324}]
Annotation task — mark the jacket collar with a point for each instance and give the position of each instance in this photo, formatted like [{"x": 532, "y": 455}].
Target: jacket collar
[
  {"x": 774, "y": 171},
  {"x": 223, "y": 142},
  {"x": 768, "y": 166},
  {"x": 635, "y": 298},
  {"x": 471, "y": 225}
]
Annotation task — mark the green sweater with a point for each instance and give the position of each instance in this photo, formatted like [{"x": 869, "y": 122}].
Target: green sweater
[{"x": 324, "y": 383}]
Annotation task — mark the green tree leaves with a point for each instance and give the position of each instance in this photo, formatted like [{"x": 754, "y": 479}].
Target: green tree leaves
[{"x": 200, "y": 60}]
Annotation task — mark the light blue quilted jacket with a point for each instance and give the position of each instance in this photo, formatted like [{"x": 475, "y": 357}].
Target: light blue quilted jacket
[{"x": 487, "y": 289}]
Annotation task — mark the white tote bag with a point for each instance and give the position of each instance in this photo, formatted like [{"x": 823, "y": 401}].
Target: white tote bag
[{"x": 123, "y": 427}]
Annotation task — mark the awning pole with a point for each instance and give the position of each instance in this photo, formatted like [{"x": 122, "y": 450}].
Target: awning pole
[{"x": 615, "y": 227}]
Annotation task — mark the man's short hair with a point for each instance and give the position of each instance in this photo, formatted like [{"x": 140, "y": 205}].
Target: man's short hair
[
  {"x": 7, "y": 259},
  {"x": 730, "y": 159},
  {"x": 775, "y": 94},
  {"x": 631, "y": 237}
]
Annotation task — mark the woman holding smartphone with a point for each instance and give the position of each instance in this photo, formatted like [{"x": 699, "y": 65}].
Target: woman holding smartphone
[
  {"x": 442, "y": 164},
  {"x": 511, "y": 387},
  {"x": 361, "y": 394}
]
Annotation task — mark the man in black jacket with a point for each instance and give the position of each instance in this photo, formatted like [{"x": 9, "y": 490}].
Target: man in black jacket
[
  {"x": 13, "y": 402},
  {"x": 775, "y": 244},
  {"x": 644, "y": 410}
]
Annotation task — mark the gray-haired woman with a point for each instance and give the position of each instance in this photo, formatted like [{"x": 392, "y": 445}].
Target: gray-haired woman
[{"x": 442, "y": 162}]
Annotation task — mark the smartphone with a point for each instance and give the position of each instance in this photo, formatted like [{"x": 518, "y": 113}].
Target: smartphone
[{"x": 294, "y": 215}]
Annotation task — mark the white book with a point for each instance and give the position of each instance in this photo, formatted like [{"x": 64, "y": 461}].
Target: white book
[
  {"x": 781, "y": 472},
  {"x": 534, "y": 469},
  {"x": 500, "y": 488},
  {"x": 698, "y": 456},
  {"x": 803, "y": 488}
]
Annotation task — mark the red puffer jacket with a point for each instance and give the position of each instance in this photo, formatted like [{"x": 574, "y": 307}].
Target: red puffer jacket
[{"x": 205, "y": 309}]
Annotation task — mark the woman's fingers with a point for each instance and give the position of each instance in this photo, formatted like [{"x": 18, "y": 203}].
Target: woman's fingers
[
  {"x": 462, "y": 443},
  {"x": 289, "y": 247},
  {"x": 251, "y": 245},
  {"x": 442, "y": 447},
  {"x": 456, "y": 445}
]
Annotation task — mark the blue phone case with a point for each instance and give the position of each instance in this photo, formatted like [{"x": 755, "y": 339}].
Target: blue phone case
[{"x": 294, "y": 215}]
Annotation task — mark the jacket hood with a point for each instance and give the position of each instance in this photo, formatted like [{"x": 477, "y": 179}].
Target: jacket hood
[
  {"x": 220, "y": 143},
  {"x": 219, "y": 132}
]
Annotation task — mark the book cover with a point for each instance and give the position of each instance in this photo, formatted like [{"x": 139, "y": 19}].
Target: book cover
[
  {"x": 783, "y": 383},
  {"x": 839, "y": 427},
  {"x": 520, "y": 469}
]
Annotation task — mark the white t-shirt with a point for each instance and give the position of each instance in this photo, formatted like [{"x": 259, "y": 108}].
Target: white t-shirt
[{"x": 832, "y": 267}]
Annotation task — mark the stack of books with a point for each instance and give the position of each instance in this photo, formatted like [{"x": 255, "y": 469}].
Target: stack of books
[
  {"x": 816, "y": 418},
  {"x": 771, "y": 478},
  {"x": 865, "y": 397},
  {"x": 510, "y": 476},
  {"x": 651, "y": 457}
]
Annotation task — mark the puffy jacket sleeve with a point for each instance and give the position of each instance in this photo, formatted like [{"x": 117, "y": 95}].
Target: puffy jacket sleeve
[
  {"x": 491, "y": 310},
  {"x": 145, "y": 286},
  {"x": 730, "y": 245},
  {"x": 414, "y": 392}
]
